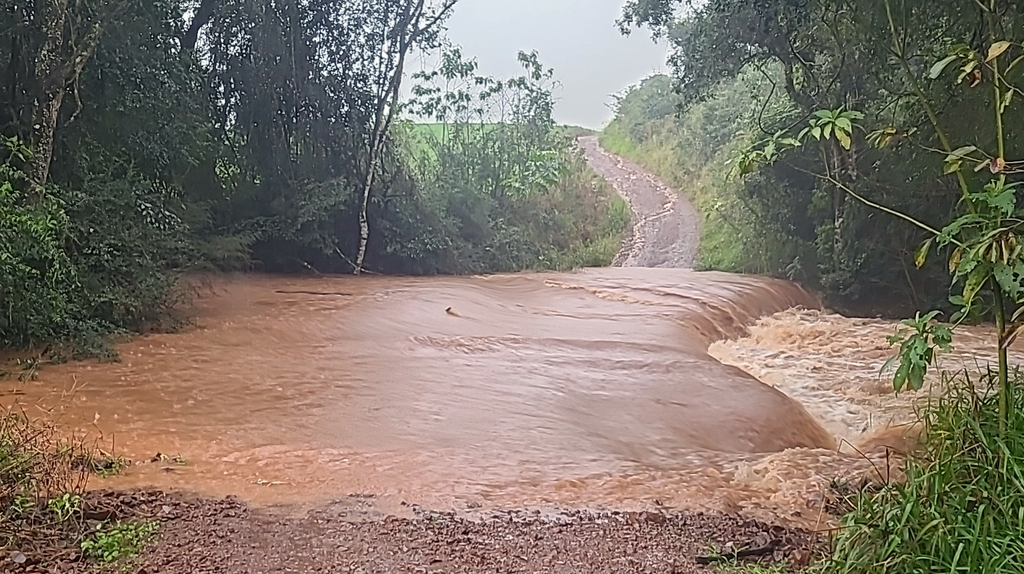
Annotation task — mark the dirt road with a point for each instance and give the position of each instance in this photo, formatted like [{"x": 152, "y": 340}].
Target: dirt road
[{"x": 665, "y": 230}]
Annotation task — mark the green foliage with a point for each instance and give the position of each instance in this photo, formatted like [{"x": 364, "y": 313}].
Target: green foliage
[
  {"x": 502, "y": 187},
  {"x": 918, "y": 339},
  {"x": 240, "y": 140},
  {"x": 112, "y": 543},
  {"x": 750, "y": 224},
  {"x": 960, "y": 508},
  {"x": 65, "y": 506},
  {"x": 821, "y": 60},
  {"x": 41, "y": 481}
]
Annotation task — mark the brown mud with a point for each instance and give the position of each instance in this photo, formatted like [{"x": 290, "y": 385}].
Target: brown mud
[{"x": 348, "y": 412}]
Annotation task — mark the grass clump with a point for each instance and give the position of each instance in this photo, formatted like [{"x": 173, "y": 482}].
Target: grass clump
[
  {"x": 44, "y": 511},
  {"x": 116, "y": 542},
  {"x": 961, "y": 508}
]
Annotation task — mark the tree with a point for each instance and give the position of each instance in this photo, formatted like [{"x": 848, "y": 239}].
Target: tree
[
  {"x": 409, "y": 25},
  {"x": 60, "y": 60}
]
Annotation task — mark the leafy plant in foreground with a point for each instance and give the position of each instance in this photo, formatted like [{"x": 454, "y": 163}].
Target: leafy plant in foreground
[
  {"x": 961, "y": 507},
  {"x": 111, "y": 543}
]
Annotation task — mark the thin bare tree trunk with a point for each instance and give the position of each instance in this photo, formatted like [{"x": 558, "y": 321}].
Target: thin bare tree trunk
[
  {"x": 51, "y": 94},
  {"x": 411, "y": 32},
  {"x": 382, "y": 123},
  {"x": 374, "y": 160}
]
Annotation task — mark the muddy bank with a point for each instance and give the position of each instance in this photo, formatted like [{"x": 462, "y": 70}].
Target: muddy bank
[{"x": 202, "y": 536}]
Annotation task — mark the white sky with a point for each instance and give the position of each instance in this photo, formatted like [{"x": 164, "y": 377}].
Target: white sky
[{"x": 578, "y": 38}]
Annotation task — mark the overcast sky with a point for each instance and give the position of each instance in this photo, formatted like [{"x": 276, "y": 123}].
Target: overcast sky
[{"x": 578, "y": 38}]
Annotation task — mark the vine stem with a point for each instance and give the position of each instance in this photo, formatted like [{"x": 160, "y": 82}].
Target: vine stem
[{"x": 873, "y": 204}]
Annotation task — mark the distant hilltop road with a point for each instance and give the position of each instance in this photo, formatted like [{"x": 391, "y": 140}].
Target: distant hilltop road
[{"x": 665, "y": 228}]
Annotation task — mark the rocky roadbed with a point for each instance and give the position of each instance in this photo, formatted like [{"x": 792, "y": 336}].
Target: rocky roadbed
[
  {"x": 665, "y": 229},
  {"x": 225, "y": 536}
]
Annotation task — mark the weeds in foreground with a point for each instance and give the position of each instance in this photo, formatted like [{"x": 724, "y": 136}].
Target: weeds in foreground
[
  {"x": 112, "y": 543},
  {"x": 43, "y": 477},
  {"x": 961, "y": 508},
  {"x": 753, "y": 568}
]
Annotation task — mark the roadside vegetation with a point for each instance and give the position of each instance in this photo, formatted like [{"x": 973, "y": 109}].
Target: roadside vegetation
[
  {"x": 910, "y": 149},
  {"x": 144, "y": 140},
  {"x": 46, "y": 514}
]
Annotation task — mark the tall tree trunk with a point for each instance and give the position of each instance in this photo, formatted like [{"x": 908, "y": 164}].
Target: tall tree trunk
[
  {"x": 412, "y": 28},
  {"x": 376, "y": 148},
  {"x": 51, "y": 88},
  {"x": 206, "y": 11}
]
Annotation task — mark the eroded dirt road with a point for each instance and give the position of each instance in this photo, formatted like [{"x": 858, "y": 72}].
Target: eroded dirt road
[{"x": 665, "y": 230}]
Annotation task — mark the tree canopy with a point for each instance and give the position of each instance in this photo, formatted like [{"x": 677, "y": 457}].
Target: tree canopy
[{"x": 148, "y": 138}]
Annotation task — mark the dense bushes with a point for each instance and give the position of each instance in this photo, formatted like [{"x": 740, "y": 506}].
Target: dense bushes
[
  {"x": 506, "y": 188},
  {"x": 744, "y": 229},
  {"x": 774, "y": 66},
  {"x": 961, "y": 507},
  {"x": 239, "y": 135}
]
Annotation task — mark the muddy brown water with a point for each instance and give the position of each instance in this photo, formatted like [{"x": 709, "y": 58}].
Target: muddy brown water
[{"x": 589, "y": 389}]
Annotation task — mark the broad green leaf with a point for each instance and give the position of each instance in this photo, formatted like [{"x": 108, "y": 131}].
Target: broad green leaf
[
  {"x": 824, "y": 114},
  {"x": 827, "y": 132},
  {"x": 899, "y": 380},
  {"x": 940, "y": 66},
  {"x": 952, "y": 167},
  {"x": 1005, "y": 201},
  {"x": 975, "y": 281},
  {"x": 816, "y": 133},
  {"x": 922, "y": 253},
  {"x": 845, "y": 124},
  {"x": 1009, "y": 279},
  {"x": 844, "y": 139},
  {"x": 997, "y": 49}
]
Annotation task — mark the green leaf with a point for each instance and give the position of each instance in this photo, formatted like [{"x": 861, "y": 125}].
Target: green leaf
[
  {"x": 1004, "y": 201},
  {"x": 922, "y": 253},
  {"x": 961, "y": 152},
  {"x": 816, "y": 133},
  {"x": 952, "y": 167},
  {"x": 844, "y": 139},
  {"x": 845, "y": 123},
  {"x": 824, "y": 114},
  {"x": 975, "y": 281},
  {"x": 827, "y": 132},
  {"x": 899, "y": 380},
  {"x": 997, "y": 49},
  {"x": 940, "y": 66},
  {"x": 1009, "y": 279}
]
